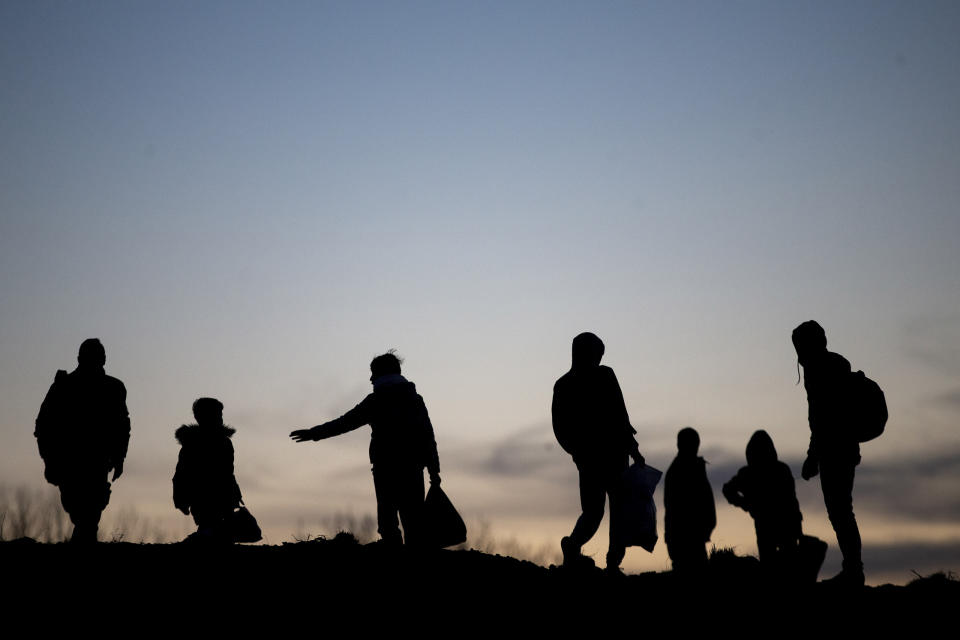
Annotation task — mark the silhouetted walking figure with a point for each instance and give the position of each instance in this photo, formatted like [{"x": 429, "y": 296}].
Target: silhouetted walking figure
[
  {"x": 834, "y": 450},
  {"x": 204, "y": 484},
  {"x": 82, "y": 431},
  {"x": 765, "y": 489},
  {"x": 591, "y": 424},
  {"x": 689, "y": 510},
  {"x": 402, "y": 443}
]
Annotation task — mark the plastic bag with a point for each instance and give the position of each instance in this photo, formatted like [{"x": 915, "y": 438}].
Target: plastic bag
[
  {"x": 442, "y": 524},
  {"x": 635, "y": 524},
  {"x": 242, "y": 526}
]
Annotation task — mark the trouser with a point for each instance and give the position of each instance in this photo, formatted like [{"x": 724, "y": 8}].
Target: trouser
[
  {"x": 776, "y": 544},
  {"x": 211, "y": 520},
  {"x": 836, "y": 481},
  {"x": 399, "y": 490},
  {"x": 84, "y": 495},
  {"x": 597, "y": 481}
]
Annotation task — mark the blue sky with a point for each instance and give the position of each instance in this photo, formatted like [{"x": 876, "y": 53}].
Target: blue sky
[{"x": 250, "y": 200}]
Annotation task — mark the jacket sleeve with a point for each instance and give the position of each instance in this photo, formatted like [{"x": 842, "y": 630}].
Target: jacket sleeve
[
  {"x": 236, "y": 497},
  {"x": 430, "y": 443},
  {"x": 353, "y": 419},
  {"x": 709, "y": 508},
  {"x": 562, "y": 426},
  {"x": 182, "y": 481},
  {"x": 121, "y": 427},
  {"x": 733, "y": 492},
  {"x": 620, "y": 416},
  {"x": 46, "y": 426}
]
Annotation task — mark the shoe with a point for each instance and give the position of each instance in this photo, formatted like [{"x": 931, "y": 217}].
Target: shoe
[
  {"x": 615, "y": 572},
  {"x": 572, "y": 556},
  {"x": 846, "y": 578}
]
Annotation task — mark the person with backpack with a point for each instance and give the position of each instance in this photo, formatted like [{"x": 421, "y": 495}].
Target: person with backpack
[
  {"x": 402, "y": 444},
  {"x": 591, "y": 423},
  {"x": 834, "y": 451},
  {"x": 82, "y": 431}
]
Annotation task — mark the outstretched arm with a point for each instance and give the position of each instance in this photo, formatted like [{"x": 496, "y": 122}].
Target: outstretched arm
[{"x": 353, "y": 419}]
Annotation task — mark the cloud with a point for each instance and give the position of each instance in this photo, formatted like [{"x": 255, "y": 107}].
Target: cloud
[
  {"x": 923, "y": 557},
  {"x": 919, "y": 487},
  {"x": 935, "y": 342},
  {"x": 950, "y": 399}
]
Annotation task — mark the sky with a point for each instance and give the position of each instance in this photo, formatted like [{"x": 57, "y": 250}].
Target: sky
[{"x": 250, "y": 200}]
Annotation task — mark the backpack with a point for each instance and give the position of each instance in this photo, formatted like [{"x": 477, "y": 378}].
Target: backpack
[{"x": 869, "y": 407}]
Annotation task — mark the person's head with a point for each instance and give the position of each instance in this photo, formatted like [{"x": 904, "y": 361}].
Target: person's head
[
  {"x": 809, "y": 339},
  {"x": 587, "y": 351},
  {"x": 384, "y": 365},
  {"x": 92, "y": 354},
  {"x": 760, "y": 449},
  {"x": 688, "y": 441},
  {"x": 208, "y": 411}
]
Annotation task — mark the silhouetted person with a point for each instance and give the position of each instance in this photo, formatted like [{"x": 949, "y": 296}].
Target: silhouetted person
[
  {"x": 834, "y": 450},
  {"x": 402, "y": 443},
  {"x": 204, "y": 484},
  {"x": 765, "y": 489},
  {"x": 591, "y": 424},
  {"x": 82, "y": 431},
  {"x": 689, "y": 510}
]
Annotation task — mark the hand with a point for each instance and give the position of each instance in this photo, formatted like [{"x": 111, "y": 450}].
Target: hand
[
  {"x": 434, "y": 479},
  {"x": 302, "y": 435},
  {"x": 117, "y": 471},
  {"x": 638, "y": 458},
  {"x": 810, "y": 468}
]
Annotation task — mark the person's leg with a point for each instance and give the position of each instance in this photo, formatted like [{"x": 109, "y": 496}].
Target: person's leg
[
  {"x": 836, "y": 481},
  {"x": 614, "y": 488},
  {"x": 410, "y": 504},
  {"x": 84, "y": 497},
  {"x": 592, "y": 498},
  {"x": 384, "y": 484}
]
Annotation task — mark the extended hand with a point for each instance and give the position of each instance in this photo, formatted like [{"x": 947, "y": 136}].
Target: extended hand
[
  {"x": 117, "y": 470},
  {"x": 810, "y": 468},
  {"x": 302, "y": 435}
]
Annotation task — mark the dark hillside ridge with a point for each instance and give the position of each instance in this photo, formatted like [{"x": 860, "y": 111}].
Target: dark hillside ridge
[{"x": 349, "y": 581}]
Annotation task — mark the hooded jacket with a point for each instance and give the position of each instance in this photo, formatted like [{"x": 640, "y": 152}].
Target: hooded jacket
[
  {"x": 204, "y": 479},
  {"x": 590, "y": 417},
  {"x": 401, "y": 431},
  {"x": 765, "y": 489},
  {"x": 827, "y": 379}
]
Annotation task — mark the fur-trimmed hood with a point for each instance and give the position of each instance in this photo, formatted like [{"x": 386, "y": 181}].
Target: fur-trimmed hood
[{"x": 193, "y": 432}]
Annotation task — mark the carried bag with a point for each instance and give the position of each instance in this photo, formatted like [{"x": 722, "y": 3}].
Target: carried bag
[
  {"x": 242, "y": 526},
  {"x": 868, "y": 407},
  {"x": 442, "y": 524},
  {"x": 811, "y": 552},
  {"x": 635, "y": 523}
]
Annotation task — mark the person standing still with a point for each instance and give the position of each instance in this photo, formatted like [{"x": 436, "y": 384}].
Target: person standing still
[{"x": 834, "y": 450}]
